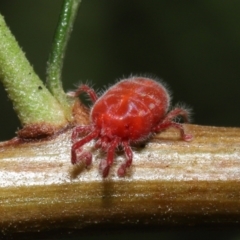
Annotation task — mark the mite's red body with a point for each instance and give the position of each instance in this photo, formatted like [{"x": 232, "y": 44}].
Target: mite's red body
[
  {"x": 130, "y": 109},
  {"x": 129, "y": 112}
]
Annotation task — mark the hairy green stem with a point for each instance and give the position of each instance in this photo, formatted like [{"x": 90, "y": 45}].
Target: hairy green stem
[
  {"x": 55, "y": 62},
  {"x": 32, "y": 101}
]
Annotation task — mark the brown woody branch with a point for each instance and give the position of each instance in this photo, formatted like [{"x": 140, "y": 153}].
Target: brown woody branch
[{"x": 170, "y": 182}]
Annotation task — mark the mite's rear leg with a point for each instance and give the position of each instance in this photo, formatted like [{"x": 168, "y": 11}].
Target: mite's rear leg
[
  {"x": 168, "y": 122},
  {"x": 84, "y": 88},
  {"x": 123, "y": 168},
  {"x": 178, "y": 112}
]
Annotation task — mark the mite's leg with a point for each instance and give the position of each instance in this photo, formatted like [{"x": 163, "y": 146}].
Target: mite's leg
[
  {"x": 106, "y": 164},
  {"x": 77, "y": 154},
  {"x": 80, "y": 130},
  {"x": 128, "y": 151},
  {"x": 178, "y": 112},
  {"x": 168, "y": 121},
  {"x": 84, "y": 88}
]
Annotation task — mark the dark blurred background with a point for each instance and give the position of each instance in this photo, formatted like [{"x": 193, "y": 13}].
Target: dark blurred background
[{"x": 193, "y": 45}]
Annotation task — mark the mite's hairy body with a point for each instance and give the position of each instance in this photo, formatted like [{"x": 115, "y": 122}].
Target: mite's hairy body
[{"x": 129, "y": 112}]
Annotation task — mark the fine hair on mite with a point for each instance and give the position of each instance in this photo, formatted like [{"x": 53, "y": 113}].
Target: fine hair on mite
[{"x": 130, "y": 111}]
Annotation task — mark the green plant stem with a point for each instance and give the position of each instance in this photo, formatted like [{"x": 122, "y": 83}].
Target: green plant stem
[
  {"x": 32, "y": 101},
  {"x": 55, "y": 62}
]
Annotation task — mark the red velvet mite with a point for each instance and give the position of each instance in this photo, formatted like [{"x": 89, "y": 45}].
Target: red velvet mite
[{"x": 129, "y": 112}]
